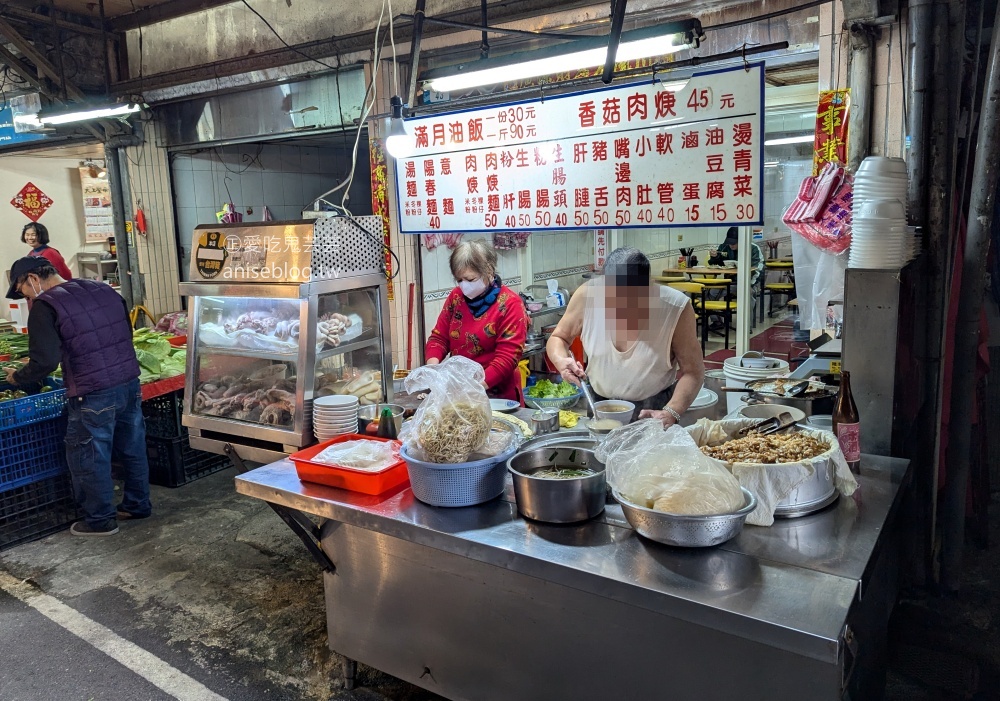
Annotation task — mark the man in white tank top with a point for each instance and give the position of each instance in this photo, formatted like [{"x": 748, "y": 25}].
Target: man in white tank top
[{"x": 639, "y": 337}]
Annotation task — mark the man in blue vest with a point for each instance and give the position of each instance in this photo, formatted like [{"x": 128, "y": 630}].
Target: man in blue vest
[{"x": 84, "y": 325}]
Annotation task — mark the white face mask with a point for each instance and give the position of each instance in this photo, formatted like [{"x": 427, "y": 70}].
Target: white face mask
[
  {"x": 473, "y": 289},
  {"x": 35, "y": 288}
]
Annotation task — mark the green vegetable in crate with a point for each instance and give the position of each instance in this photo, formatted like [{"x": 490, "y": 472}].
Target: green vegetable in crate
[{"x": 8, "y": 394}]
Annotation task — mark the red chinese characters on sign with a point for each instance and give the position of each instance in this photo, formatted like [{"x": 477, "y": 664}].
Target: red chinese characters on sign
[
  {"x": 832, "y": 117},
  {"x": 31, "y": 202},
  {"x": 633, "y": 155},
  {"x": 601, "y": 241}
]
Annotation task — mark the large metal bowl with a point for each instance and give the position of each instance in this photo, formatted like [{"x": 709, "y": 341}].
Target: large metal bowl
[
  {"x": 558, "y": 501},
  {"x": 552, "y": 402},
  {"x": 686, "y": 531}
]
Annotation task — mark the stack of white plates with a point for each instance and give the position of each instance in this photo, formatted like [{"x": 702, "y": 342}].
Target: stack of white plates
[
  {"x": 334, "y": 416},
  {"x": 880, "y": 238}
]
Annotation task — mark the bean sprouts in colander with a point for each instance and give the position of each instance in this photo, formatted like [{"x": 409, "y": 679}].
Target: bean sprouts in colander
[{"x": 453, "y": 432}]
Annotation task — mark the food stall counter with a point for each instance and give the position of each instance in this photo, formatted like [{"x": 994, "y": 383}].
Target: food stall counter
[{"x": 479, "y": 603}]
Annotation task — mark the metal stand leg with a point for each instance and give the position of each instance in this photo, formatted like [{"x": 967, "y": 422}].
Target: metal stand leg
[
  {"x": 350, "y": 672},
  {"x": 306, "y": 530}
]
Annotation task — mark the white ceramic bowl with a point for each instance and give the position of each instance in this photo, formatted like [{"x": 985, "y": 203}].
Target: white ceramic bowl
[
  {"x": 731, "y": 263},
  {"x": 624, "y": 416},
  {"x": 336, "y": 414},
  {"x": 336, "y": 400}
]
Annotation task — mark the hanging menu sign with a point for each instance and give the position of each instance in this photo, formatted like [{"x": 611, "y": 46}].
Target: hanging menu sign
[
  {"x": 640, "y": 155},
  {"x": 97, "y": 218}
]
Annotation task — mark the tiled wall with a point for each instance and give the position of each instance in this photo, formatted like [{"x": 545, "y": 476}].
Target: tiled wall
[
  {"x": 438, "y": 281},
  {"x": 149, "y": 181},
  {"x": 286, "y": 178}
]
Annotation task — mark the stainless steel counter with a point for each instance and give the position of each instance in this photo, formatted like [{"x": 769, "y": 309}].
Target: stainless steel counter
[{"x": 792, "y": 589}]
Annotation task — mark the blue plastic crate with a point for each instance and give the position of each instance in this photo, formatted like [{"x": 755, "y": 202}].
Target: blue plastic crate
[
  {"x": 32, "y": 453},
  {"x": 32, "y": 409}
]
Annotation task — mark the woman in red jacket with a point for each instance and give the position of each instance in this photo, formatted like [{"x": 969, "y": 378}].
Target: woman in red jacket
[
  {"x": 482, "y": 320},
  {"x": 37, "y": 236}
]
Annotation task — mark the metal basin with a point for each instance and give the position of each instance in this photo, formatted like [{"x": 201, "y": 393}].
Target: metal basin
[
  {"x": 558, "y": 500},
  {"x": 687, "y": 531}
]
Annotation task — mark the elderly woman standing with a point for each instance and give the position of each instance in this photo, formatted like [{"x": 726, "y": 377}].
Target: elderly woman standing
[
  {"x": 482, "y": 320},
  {"x": 639, "y": 338}
]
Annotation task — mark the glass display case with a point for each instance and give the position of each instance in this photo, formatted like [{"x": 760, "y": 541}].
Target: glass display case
[{"x": 259, "y": 353}]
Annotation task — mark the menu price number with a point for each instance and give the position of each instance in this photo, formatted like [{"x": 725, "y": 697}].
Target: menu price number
[{"x": 700, "y": 99}]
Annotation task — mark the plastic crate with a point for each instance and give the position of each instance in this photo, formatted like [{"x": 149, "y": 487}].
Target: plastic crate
[
  {"x": 172, "y": 462},
  {"x": 163, "y": 415},
  {"x": 31, "y": 453},
  {"x": 35, "y": 510},
  {"x": 29, "y": 410}
]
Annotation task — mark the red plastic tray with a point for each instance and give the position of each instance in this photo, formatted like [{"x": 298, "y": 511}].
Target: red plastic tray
[{"x": 373, "y": 483}]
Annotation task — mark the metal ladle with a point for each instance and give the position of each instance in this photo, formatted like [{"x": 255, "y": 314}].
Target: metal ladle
[{"x": 585, "y": 387}]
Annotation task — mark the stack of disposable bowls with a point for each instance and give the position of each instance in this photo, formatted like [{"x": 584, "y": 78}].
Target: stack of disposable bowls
[
  {"x": 881, "y": 178},
  {"x": 879, "y": 238},
  {"x": 335, "y": 416}
]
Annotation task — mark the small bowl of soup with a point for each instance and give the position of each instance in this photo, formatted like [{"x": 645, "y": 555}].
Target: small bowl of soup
[{"x": 615, "y": 410}]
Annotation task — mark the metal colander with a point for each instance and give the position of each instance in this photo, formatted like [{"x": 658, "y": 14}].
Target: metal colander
[{"x": 687, "y": 531}]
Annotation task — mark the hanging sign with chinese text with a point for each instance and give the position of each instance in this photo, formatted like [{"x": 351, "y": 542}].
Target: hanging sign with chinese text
[
  {"x": 97, "y": 219},
  {"x": 832, "y": 118},
  {"x": 631, "y": 156},
  {"x": 31, "y": 202},
  {"x": 602, "y": 240}
]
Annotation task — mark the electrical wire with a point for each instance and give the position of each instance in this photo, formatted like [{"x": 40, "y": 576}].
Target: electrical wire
[
  {"x": 767, "y": 16},
  {"x": 367, "y": 106},
  {"x": 281, "y": 39}
]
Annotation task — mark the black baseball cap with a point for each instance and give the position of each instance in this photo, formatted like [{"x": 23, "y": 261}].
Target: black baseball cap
[
  {"x": 732, "y": 235},
  {"x": 21, "y": 267}
]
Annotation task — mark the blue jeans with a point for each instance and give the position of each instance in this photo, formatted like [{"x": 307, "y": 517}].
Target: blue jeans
[{"x": 101, "y": 423}]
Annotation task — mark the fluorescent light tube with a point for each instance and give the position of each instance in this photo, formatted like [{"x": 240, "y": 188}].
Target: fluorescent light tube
[
  {"x": 803, "y": 139},
  {"x": 85, "y": 115},
  {"x": 642, "y": 48}
]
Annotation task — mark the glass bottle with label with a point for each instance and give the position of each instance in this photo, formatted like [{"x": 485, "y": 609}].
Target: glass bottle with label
[{"x": 847, "y": 423}]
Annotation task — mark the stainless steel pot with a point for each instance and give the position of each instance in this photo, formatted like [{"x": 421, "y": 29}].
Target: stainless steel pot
[
  {"x": 817, "y": 492},
  {"x": 558, "y": 500},
  {"x": 575, "y": 438}
]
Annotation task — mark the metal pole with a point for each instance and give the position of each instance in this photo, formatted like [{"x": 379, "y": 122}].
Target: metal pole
[
  {"x": 484, "y": 46},
  {"x": 938, "y": 247},
  {"x": 113, "y": 165},
  {"x": 614, "y": 37},
  {"x": 977, "y": 243},
  {"x": 860, "y": 82},
  {"x": 418, "y": 33},
  {"x": 918, "y": 31}
]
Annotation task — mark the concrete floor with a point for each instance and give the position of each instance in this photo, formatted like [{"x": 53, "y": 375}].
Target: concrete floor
[
  {"x": 218, "y": 589},
  {"x": 215, "y": 585}
]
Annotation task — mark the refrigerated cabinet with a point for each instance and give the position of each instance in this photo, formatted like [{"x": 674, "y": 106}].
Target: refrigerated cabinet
[{"x": 259, "y": 353}]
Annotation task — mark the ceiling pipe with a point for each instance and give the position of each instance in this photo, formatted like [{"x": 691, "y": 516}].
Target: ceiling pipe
[{"x": 614, "y": 38}]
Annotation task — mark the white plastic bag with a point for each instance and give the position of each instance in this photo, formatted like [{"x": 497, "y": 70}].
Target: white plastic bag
[
  {"x": 454, "y": 421},
  {"x": 666, "y": 471}
]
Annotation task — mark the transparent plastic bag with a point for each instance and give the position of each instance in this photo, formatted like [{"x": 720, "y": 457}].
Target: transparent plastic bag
[
  {"x": 666, "y": 471},
  {"x": 363, "y": 455},
  {"x": 454, "y": 421}
]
